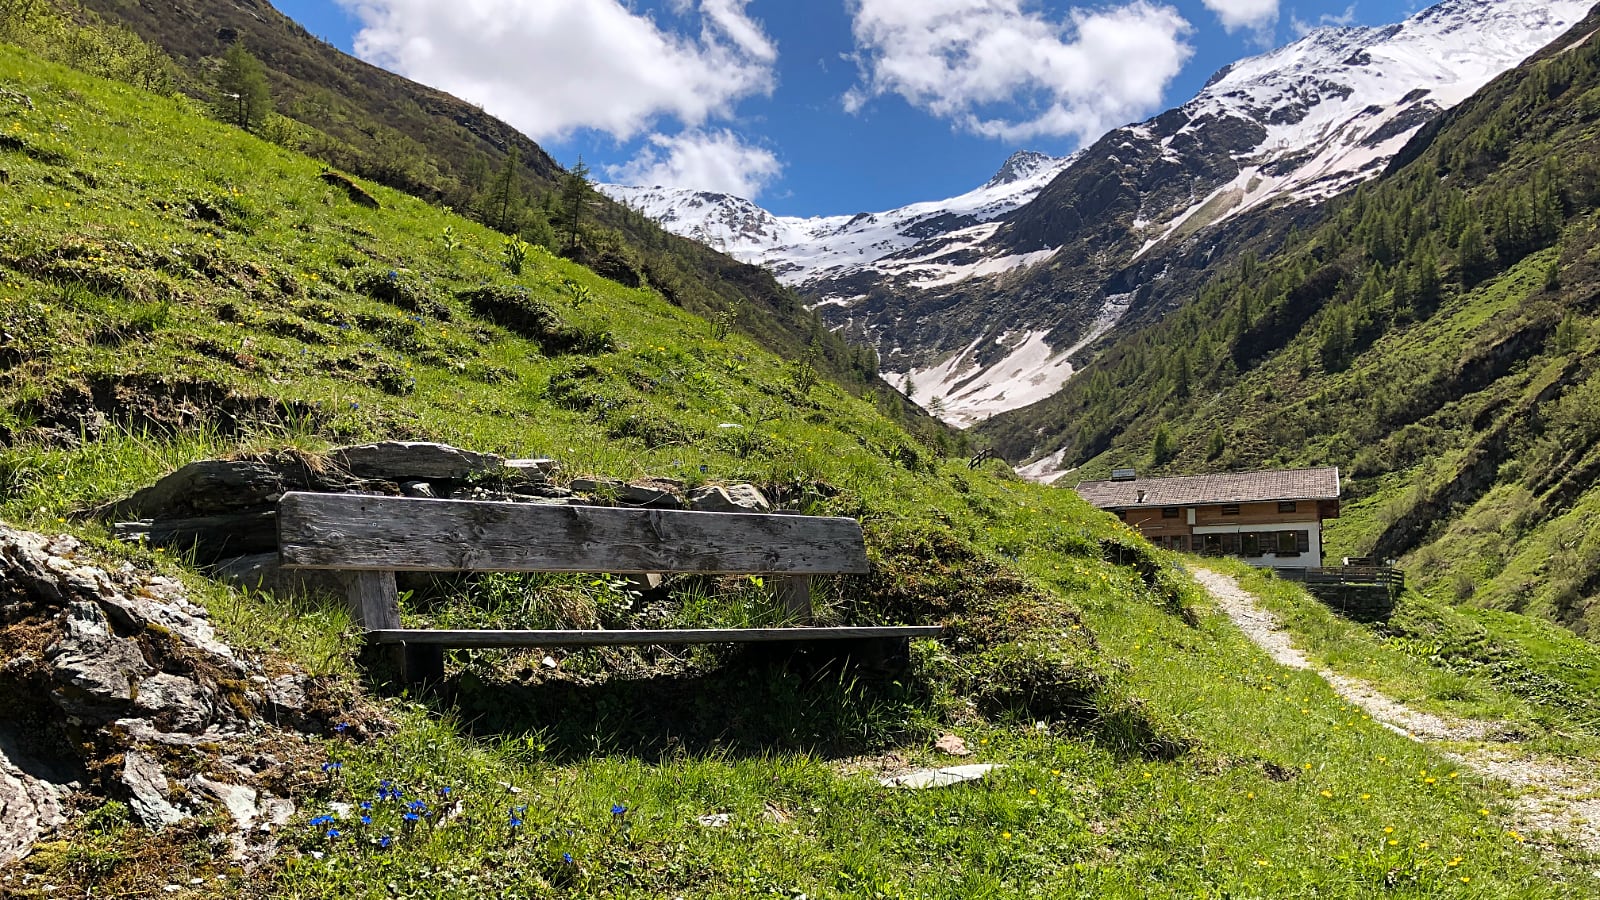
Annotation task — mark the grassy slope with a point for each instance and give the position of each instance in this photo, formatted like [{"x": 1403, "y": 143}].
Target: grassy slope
[
  {"x": 382, "y": 126},
  {"x": 114, "y": 280}
]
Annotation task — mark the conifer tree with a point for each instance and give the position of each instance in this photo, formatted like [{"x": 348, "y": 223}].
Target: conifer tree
[
  {"x": 244, "y": 99},
  {"x": 575, "y": 191}
]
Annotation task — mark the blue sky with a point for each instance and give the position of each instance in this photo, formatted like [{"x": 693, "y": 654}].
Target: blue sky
[{"x": 818, "y": 107}]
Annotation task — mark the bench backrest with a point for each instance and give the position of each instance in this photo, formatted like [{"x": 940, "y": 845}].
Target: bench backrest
[{"x": 359, "y": 532}]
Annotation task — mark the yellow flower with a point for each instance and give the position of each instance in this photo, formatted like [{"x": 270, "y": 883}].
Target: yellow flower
[
  {"x": 1388, "y": 829},
  {"x": 1005, "y": 835},
  {"x": 1327, "y": 794},
  {"x": 1033, "y": 792}
]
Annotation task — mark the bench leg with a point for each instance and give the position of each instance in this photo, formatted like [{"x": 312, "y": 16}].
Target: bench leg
[{"x": 423, "y": 664}]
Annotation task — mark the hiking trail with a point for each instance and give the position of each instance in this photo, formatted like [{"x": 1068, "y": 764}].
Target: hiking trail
[{"x": 1552, "y": 794}]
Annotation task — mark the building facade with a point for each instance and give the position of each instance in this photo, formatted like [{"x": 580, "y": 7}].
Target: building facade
[{"x": 1268, "y": 518}]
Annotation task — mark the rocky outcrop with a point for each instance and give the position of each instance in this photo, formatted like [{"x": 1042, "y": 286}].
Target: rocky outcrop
[{"x": 116, "y": 687}]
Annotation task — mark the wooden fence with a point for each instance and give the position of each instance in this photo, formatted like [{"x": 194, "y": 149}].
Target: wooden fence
[{"x": 1365, "y": 593}]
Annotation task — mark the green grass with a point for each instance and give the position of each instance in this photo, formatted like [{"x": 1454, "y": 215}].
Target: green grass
[{"x": 174, "y": 290}]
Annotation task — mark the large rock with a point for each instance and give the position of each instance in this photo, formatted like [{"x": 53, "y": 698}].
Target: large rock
[
  {"x": 398, "y": 461},
  {"x": 735, "y": 498}
]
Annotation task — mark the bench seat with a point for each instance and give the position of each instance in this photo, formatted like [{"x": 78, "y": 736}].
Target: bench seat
[
  {"x": 570, "y": 637},
  {"x": 369, "y": 538}
]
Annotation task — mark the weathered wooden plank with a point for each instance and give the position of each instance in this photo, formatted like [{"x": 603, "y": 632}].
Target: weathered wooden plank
[
  {"x": 794, "y": 597},
  {"x": 620, "y": 637},
  {"x": 349, "y": 531},
  {"x": 373, "y": 599}
]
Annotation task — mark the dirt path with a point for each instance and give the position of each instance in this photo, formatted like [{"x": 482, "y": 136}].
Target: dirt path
[{"x": 1551, "y": 794}]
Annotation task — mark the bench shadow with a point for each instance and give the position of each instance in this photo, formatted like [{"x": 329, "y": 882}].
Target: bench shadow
[{"x": 754, "y": 702}]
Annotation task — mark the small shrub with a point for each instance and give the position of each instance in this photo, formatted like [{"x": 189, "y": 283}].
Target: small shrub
[{"x": 515, "y": 252}]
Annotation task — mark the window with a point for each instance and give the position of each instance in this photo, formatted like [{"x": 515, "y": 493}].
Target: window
[
  {"x": 1293, "y": 543},
  {"x": 1250, "y": 544},
  {"x": 1286, "y": 506},
  {"x": 1230, "y": 509},
  {"x": 1180, "y": 543},
  {"x": 1213, "y": 544},
  {"x": 1170, "y": 512},
  {"x": 1230, "y": 544}
]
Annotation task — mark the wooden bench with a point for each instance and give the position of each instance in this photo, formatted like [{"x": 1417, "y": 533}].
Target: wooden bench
[{"x": 370, "y": 538}]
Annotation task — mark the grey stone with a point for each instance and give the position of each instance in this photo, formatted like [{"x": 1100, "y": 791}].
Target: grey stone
[
  {"x": 239, "y": 800},
  {"x": 421, "y": 490},
  {"x": 93, "y": 667},
  {"x": 286, "y": 693},
  {"x": 415, "y": 460},
  {"x": 931, "y": 778},
  {"x": 535, "y": 470},
  {"x": 179, "y": 703},
  {"x": 204, "y": 488},
  {"x": 658, "y": 494},
  {"x": 734, "y": 498},
  {"x": 32, "y": 798},
  {"x": 144, "y": 777}
]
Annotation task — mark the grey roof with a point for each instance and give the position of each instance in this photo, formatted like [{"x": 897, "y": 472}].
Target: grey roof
[{"x": 1226, "y": 487}]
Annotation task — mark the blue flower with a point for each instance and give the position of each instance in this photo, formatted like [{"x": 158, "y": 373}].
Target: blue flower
[
  {"x": 331, "y": 767},
  {"x": 516, "y": 822},
  {"x": 342, "y": 727},
  {"x": 366, "y": 805},
  {"x": 618, "y": 810},
  {"x": 333, "y": 834},
  {"x": 410, "y": 817},
  {"x": 321, "y": 820},
  {"x": 444, "y": 792},
  {"x": 418, "y": 806},
  {"x": 385, "y": 841},
  {"x": 366, "y": 820},
  {"x": 566, "y": 858}
]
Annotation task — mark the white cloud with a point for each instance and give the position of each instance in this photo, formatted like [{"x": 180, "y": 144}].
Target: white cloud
[
  {"x": 704, "y": 160},
  {"x": 1000, "y": 70},
  {"x": 1301, "y": 27},
  {"x": 551, "y": 66},
  {"x": 1253, "y": 14}
]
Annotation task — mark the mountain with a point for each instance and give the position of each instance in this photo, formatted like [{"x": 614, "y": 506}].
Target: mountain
[
  {"x": 810, "y": 251},
  {"x": 989, "y": 301},
  {"x": 1139, "y": 218},
  {"x": 1437, "y": 338}
]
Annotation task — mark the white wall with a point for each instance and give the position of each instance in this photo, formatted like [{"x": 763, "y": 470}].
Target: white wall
[{"x": 1310, "y": 559}]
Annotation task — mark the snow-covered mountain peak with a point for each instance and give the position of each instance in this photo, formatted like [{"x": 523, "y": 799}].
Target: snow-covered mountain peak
[
  {"x": 1315, "y": 117},
  {"x": 800, "y": 250},
  {"x": 1023, "y": 165}
]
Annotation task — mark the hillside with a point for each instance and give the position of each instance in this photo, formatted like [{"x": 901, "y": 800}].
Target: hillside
[
  {"x": 442, "y": 149},
  {"x": 1436, "y": 339},
  {"x": 173, "y": 289}
]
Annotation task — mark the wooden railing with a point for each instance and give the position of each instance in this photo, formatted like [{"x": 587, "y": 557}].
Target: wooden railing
[
  {"x": 1349, "y": 576},
  {"x": 1365, "y": 593}
]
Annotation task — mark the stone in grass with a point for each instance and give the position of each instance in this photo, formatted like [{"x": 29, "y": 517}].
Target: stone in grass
[
  {"x": 952, "y": 745},
  {"x": 714, "y": 820},
  {"x": 932, "y": 778},
  {"x": 659, "y": 493},
  {"x": 733, "y": 498},
  {"x": 415, "y": 460}
]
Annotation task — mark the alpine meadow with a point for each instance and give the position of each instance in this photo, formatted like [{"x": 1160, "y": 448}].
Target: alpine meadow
[{"x": 238, "y": 265}]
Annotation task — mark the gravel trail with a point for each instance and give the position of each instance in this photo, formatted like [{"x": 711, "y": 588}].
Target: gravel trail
[{"x": 1551, "y": 794}]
